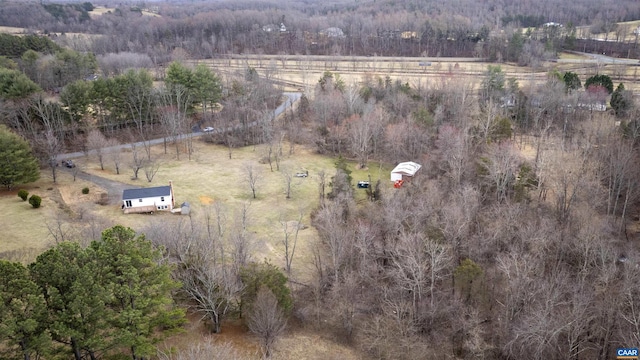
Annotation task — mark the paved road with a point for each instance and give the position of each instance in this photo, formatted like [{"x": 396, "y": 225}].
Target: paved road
[
  {"x": 599, "y": 59},
  {"x": 291, "y": 98},
  {"x": 115, "y": 188}
]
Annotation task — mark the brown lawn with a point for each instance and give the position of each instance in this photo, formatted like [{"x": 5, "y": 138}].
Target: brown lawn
[{"x": 209, "y": 177}]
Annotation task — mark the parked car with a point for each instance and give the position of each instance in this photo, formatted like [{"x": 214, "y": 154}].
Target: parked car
[
  {"x": 208, "y": 129},
  {"x": 68, "y": 163},
  {"x": 302, "y": 174},
  {"x": 363, "y": 184}
]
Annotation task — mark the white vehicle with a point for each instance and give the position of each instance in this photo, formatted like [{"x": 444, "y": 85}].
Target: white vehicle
[{"x": 208, "y": 129}]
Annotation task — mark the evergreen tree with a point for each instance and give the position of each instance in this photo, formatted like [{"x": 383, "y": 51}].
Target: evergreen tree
[
  {"x": 602, "y": 80},
  {"x": 141, "y": 307},
  {"x": 202, "y": 85},
  {"x": 77, "y": 98},
  {"x": 256, "y": 275},
  {"x": 113, "y": 295},
  {"x": 493, "y": 84},
  {"x": 17, "y": 163},
  {"x": 23, "y": 329},
  {"x": 571, "y": 81},
  {"x": 16, "y": 85},
  {"x": 207, "y": 88},
  {"x": 76, "y": 300},
  {"x": 621, "y": 100}
]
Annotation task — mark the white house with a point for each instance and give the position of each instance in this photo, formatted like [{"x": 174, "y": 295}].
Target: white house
[
  {"x": 404, "y": 170},
  {"x": 332, "y": 32},
  {"x": 148, "y": 200}
]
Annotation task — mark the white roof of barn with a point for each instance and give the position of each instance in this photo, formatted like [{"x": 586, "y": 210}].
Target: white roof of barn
[{"x": 408, "y": 168}]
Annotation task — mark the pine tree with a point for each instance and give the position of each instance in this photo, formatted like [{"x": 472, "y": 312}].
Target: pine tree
[
  {"x": 620, "y": 100},
  {"x": 23, "y": 329},
  {"x": 17, "y": 163},
  {"x": 141, "y": 304}
]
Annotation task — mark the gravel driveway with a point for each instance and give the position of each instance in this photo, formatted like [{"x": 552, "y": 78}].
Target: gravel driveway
[{"x": 114, "y": 188}]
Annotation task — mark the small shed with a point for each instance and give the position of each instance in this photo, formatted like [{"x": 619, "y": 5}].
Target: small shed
[
  {"x": 405, "y": 170},
  {"x": 148, "y": 200}
]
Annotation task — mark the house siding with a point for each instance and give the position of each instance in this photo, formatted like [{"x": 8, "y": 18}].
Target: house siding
[{"x": 161, "y": 201}]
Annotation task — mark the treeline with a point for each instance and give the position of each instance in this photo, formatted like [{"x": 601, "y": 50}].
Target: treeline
[
  {"x": 74, "y": 12},
  {"x": 14, "y": 46},
  {"x": 43, "y": 62},
  {"x": 207, "y": 29}
]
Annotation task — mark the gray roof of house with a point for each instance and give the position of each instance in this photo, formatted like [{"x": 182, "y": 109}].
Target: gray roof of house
[{"x": 130, "y": 194}]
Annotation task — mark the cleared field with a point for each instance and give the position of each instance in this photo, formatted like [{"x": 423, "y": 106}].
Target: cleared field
[
  {"x": 209, "y": 178},
  {"x": 624, "y": 32},
  {"x": 12, "y": 30},
  {"x": 100, "y": 10},
  {"x": 301, "y": 73}
]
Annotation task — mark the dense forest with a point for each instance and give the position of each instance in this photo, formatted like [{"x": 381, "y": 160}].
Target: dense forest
[
  {"x": 430, "y": 28},
  {"x": 517, "y": 240}
]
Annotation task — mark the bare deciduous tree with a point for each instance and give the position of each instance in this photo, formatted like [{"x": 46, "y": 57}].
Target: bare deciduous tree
[
  {"x": 501, "y": 166},
  {"x": 454, "y": 151},
  {"x": 366, "y": 133},
  {"x": 287, "y": 175},
  {"x": 252, "y": 177},
  {"x": 137, "y": 161},
  {"x": 290, "y": 240},
  {"x": 212, "y": 288},
  {"x": 240, "y": 239},
  {"x": 114, "y": 153},
  {"x": 95, "y": 143},
  {"x": 336, "y": 236},
  {"x": 205, "y": 348},
  {"x": 322, "y": 184},
  {"x": 174, "y": 119},
  {"x": 118, "y": 63},
  {"x": 50, "y": 146},
  {"x": 151, "y": 168},
  {"x": 420, "y": 263},
  {"x": 266, "y": 320}
]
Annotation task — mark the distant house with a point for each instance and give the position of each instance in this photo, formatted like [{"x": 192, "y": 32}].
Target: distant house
[
  {"x": 332, "y": 32},
  {"x": 148, "y": 200},
  {"x": 403, "y": 172},
  {"x": 274, "y": 28},
  {"x": 270, "y": 28},
  {"x": 408, "y": 35}
]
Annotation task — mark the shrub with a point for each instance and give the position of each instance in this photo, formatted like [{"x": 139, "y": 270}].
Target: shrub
[
  {"x": 256, "y": 275},
  {"x": 35, "y": 201},
  {"x": 23, "y": 194},
  {"x": 85, "y": 190}
]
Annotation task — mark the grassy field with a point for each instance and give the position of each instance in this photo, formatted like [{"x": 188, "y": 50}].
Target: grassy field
[
  {"x": 29, "y": 227},
  {"x": 12, "y": 30},
  {"x": 100, "y": 10},
  {"x": 624, "y": 32},
  {"x": 299, "y": 73},
  {"x": 209, "y": 177}
]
